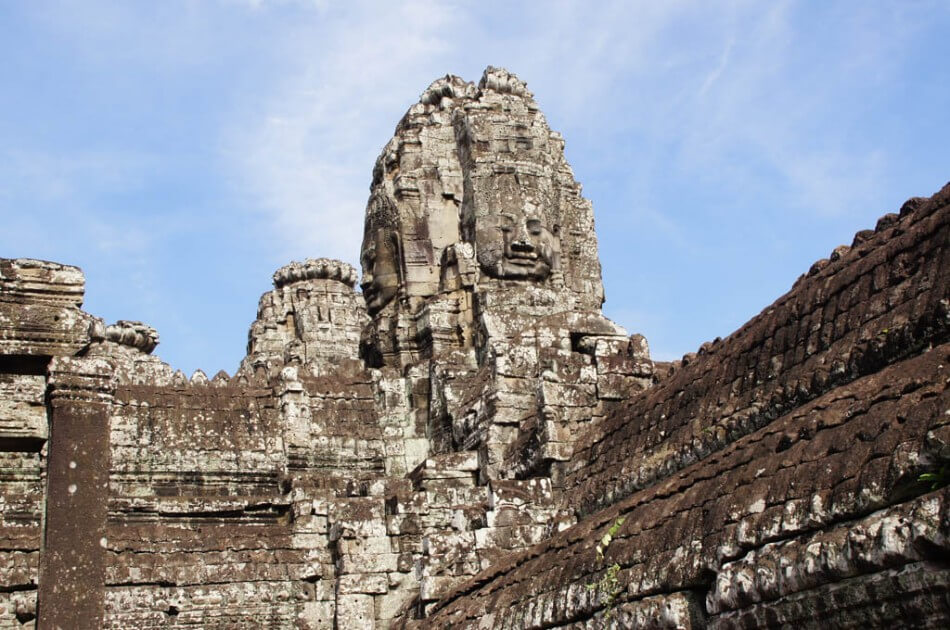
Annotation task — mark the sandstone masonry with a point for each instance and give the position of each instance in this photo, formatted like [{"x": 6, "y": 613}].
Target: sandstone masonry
[{"x": 467, "y": 442}]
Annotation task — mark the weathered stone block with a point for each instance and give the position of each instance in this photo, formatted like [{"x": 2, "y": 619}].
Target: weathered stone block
[
  {"x": 355, "y": 611},
  {"x": 370, "y": 583}
]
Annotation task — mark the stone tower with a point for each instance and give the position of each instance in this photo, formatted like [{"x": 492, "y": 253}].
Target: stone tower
[
  {"x": 480, "y": 252},
  {"x": 313, "y": 317}
]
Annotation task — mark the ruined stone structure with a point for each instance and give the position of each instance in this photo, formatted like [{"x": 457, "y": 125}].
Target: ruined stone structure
[{"x": 469, "y": 443}]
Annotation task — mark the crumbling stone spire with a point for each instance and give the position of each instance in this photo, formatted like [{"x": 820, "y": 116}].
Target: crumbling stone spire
[{"x": 312, "y": 318}]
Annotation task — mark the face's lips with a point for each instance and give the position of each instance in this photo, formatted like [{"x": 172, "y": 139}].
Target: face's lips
[
  {"x": 523, "y": 261},
  {"x": 521, "y": 253}
]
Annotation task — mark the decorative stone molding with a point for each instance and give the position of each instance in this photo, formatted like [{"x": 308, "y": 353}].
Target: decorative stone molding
[
  {"x": 42, "y": 281},
  {"x": 315, "y": 269},
  {"x": 127, "y": 333},
  {"x": 81, "y": 379},
  {"x": 504, "y": 82}
]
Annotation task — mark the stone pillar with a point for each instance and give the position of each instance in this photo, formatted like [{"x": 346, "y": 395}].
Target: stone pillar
[
  {"x": 73, "y": 561},
  {"x": 294, "y": 410}
]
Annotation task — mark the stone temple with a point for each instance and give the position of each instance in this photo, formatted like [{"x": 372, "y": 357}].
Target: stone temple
[{"x": 467, "y": 442}]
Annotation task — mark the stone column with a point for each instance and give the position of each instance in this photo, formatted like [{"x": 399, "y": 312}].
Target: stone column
[
  {"x": 294, "y": 411},
  {"x": 73, "y": 560}
]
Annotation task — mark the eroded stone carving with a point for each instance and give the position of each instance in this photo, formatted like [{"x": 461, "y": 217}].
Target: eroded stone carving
[
  {"x": 136, "y": 335},
  {"x": 40, "y": 308},
  {"x": 381, "y": 254},
  {"x": 315, "y": 269},
  {"x": 503, "y": 82},
  {"x": 312, "y": 318},
  {"x": 518, "y": 244},
  {"x": 466, "y": 261}
]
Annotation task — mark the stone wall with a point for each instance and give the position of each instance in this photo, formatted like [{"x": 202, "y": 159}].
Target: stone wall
[
  {"x": 774, "y": 477},
  {"x": 782, "y": 527},
  {"x": 881, "y": 300}
]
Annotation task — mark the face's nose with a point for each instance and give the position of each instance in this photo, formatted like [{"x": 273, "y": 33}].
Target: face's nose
[
  {"x": 367, "y": 280},
  {"x": 521, "y": 242}
]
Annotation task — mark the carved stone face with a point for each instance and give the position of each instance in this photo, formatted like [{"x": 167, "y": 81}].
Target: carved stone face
[
  {"x": 380, "y": 260},
  {"x": 518, "y": 246}
]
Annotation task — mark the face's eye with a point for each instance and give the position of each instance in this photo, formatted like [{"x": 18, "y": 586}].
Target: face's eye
[
  {"x": 506, "y": 222},
  {"x": 369, "y": 258},
  {"x": 534, "y": 226}
]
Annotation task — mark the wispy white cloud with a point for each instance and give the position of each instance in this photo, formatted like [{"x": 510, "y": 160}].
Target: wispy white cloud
[
  {"x": 730, "y": 97},
  {"x": 720, "y": 67},
  {"x": 777, "y": 103},
  {"x": 322, "y": 5},
  {"x": 305, "y": 154}
]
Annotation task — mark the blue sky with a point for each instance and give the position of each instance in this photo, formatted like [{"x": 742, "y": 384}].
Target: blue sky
[{"x": 180, "y": 151}]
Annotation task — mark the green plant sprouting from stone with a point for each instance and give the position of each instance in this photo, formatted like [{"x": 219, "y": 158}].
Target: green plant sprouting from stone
[
  {"x": 936, "y": 479},
  {"x": 609, "y": 536},
  {"x": 609, "y": 584}
]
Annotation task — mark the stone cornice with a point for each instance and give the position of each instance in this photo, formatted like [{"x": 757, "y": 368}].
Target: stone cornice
[{"x": 315, "y": 269}]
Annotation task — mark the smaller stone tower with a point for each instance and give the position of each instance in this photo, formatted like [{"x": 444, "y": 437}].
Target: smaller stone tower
[{"x": 312, "y": 318}]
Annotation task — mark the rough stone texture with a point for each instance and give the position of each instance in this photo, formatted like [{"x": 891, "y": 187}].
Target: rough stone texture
[
  {"x": 469, "y": 442},
  {"x": 881, "y": 301},
  {"x": 40, "y": 308},
  {"x": 312, "y": 318},
  {"x": 40, "y": 317},
  {"x": 854, "y": 453},
  {"x": 781, "y": 464},
  {"x": 73, "y": 560},
  {"x": 479, "y": 251}
]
